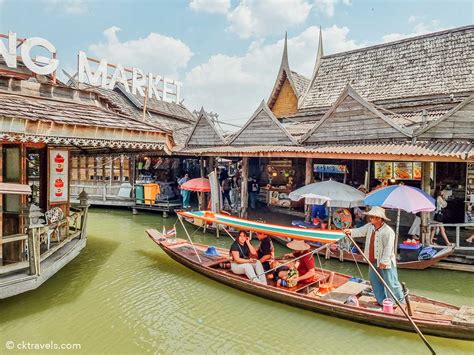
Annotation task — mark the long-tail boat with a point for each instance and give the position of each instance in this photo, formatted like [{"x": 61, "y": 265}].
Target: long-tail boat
[
  {"x": 344, "y": 255},
  {"x": 328, "y": 293},
  {"x": 195, "y": 218}
]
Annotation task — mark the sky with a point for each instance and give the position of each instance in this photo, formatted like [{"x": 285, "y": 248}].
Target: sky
[{"x": 225, "y": 52}]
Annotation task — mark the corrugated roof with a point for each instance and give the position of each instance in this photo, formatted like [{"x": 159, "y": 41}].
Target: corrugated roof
[
  {"x": 437, "y": 63},
  {"x": 455, "y": 150}
]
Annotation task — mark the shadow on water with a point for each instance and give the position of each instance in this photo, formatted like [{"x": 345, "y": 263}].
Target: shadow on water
[{"x": 65, "y": 286}]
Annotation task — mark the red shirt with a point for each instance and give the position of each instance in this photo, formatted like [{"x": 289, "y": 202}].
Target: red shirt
[{"x": 306, "y": 264}]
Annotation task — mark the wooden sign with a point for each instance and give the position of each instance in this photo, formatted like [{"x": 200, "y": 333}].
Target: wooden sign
[{"x": 58, "y": 175}]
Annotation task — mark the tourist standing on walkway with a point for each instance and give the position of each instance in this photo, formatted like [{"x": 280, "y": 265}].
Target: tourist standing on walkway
[
  {"x": 379, "y": 249},
  {"x": 225, "y": 187},
  {"x": 235, "y": 192},
  {"x": 254, "y": 189},
  {"x": 185, "y": 193}
]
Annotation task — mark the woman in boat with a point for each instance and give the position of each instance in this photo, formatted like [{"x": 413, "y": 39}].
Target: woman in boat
[
  {"x": 241, "y": 251},
  {"x": 265, "y": 250},
  {"x": 304, "y": 265}
]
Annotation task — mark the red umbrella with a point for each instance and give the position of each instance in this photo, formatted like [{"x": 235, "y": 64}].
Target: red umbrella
[{"x": 199, "y": 185}]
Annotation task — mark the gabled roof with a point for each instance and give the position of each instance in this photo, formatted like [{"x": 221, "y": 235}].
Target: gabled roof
[
  {"x": 350, "y": 128},
  {"x": 457, "y": 123},
  {"x": 204, "y": 132},
  {"x": 432, "y": 64},
  {"x": 263, "y": 128},
  {"x": 297, "y": 82}
]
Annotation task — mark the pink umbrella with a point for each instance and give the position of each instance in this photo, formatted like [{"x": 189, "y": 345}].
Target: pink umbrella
[{"x": 198, "y": 184}]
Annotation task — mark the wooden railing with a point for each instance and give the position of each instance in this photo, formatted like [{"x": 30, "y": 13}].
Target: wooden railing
[
  {"x": 458, "y": 227},
  {"x": 75, "y": 225},
  {"x": 96, "y": 191}
]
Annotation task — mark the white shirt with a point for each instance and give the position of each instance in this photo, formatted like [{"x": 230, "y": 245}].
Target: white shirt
[{"x": 384, "y": 243}]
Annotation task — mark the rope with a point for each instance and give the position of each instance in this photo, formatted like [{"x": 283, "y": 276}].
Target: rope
[{"x": 357, "y": 264}]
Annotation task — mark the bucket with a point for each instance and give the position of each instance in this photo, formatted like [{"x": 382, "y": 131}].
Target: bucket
[{"x": 387, "y": 305}]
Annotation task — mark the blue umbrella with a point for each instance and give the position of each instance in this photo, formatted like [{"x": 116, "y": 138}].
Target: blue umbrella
[{"x": 401, "y": 197}]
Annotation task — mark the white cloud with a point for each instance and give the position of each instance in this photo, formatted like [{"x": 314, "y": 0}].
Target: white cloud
[
  {"x": 419, "y": 29},
  {"x": 260, "y": 17},
  {"x": 72, "y": 7},
  {"x": 155, "y": 53},
  {"x": 211, "y": 6},
  {"x": 234, "y": 85}
]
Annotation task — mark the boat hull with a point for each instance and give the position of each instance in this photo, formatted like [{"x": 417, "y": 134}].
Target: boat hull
[{"x": 366, "y": 316}]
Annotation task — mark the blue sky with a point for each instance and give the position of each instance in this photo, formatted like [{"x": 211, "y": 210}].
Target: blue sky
[{"x": 225, "y": 52}]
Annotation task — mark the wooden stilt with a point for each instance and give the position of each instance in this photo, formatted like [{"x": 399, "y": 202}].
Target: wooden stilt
[
  {"x": 308, "y": 180},
  {"x": 244, "y": 188},
  {"x": 425, "y": 216}
]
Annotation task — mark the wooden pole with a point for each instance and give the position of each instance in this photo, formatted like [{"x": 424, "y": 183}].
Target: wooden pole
[
  {"x": 189, "y": 238},
  {"x": 244, "y": 202},
  {"x": 308, "y": 179},
  {"x": 425, "y": 216},
  {"x": 389, "y": 290}
]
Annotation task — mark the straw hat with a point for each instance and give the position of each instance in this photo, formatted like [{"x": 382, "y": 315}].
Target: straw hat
[
  {"x": 377, "y": 211},
  {"x": 298, "y": 245}
]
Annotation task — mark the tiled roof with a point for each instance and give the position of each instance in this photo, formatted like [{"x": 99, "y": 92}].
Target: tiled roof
[
  {"x": 161, "y": 107},
  {"x": 437, "y": 63},
  {"x": 301, "y": 82},
  {"x": 180, "y": 127},
  {"x": 70, "y": 113}
]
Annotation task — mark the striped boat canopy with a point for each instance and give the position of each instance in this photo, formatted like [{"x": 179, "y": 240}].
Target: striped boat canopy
[{"x": 314, "y": 235}]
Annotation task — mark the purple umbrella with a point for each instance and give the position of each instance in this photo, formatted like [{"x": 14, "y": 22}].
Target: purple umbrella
[{"x": 401, "y": 197}]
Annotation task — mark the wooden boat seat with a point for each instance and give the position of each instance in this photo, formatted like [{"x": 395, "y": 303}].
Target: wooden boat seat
[
  {"x": 304, "y": 287},
  {"x": 341, "y": 293}
]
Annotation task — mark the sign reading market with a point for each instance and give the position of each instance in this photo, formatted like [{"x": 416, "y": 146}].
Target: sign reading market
[{"x": 134, "y": 80}]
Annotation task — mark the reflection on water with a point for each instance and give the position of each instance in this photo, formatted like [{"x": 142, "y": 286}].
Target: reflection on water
[{"x": 123, "y": 294}]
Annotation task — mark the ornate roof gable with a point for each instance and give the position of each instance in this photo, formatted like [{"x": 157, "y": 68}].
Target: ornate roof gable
[
  {"x": 354, "y": 118},
  {"x": 263, "y": 128},
  {"x": 204, "y": 132}
]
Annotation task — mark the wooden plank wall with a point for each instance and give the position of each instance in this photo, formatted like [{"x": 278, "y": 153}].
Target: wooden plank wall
[
  {"x": 351, "y": 121},
  {"x": 286, "y": 101},
  {"x": 262, "y": 131},
  {"x": 459, "y": 126},
  {"x": 204, "y": 135}
]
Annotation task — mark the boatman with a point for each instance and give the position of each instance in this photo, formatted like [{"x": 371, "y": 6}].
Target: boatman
[{"x": 379, "y": 249}]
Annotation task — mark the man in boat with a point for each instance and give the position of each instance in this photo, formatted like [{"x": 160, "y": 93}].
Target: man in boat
[
  {"x": 304, "y": 265},
  {"x": 241, "y": 252},
  {"x": 265, "y": 250},
  {"x": 379, "y": 249}
]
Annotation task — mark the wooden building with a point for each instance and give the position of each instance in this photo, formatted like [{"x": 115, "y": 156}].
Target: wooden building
[
  {"x": 42, "y": 126},
  {"x": 408, "y": 103},
  {"x": 103, "y": 175}
]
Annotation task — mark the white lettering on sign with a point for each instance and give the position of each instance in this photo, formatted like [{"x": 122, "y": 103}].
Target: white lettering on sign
[
  {"x": 157, "y": 86},
  {"x": 49, "y": 65}
]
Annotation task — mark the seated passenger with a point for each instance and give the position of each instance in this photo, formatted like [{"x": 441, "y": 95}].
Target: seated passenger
[
  {"x": 265, "y": 250},
  {"x": 241, "y": 251},
  {"x": 304, "y": 265},
  {"x": 285, "y": 276}
]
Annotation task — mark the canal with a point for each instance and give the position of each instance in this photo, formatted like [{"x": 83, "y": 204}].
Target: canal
[{"x": 124, "y": 295}]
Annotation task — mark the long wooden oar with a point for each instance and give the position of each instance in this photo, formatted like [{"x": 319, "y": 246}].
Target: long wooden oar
[{"x": 393, "y": 296}]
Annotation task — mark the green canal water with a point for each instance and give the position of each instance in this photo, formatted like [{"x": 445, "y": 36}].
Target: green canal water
[{"x": 124, "y": 295}]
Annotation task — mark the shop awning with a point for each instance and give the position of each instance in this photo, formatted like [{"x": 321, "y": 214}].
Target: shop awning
[{"x": 15, "y": 189}]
